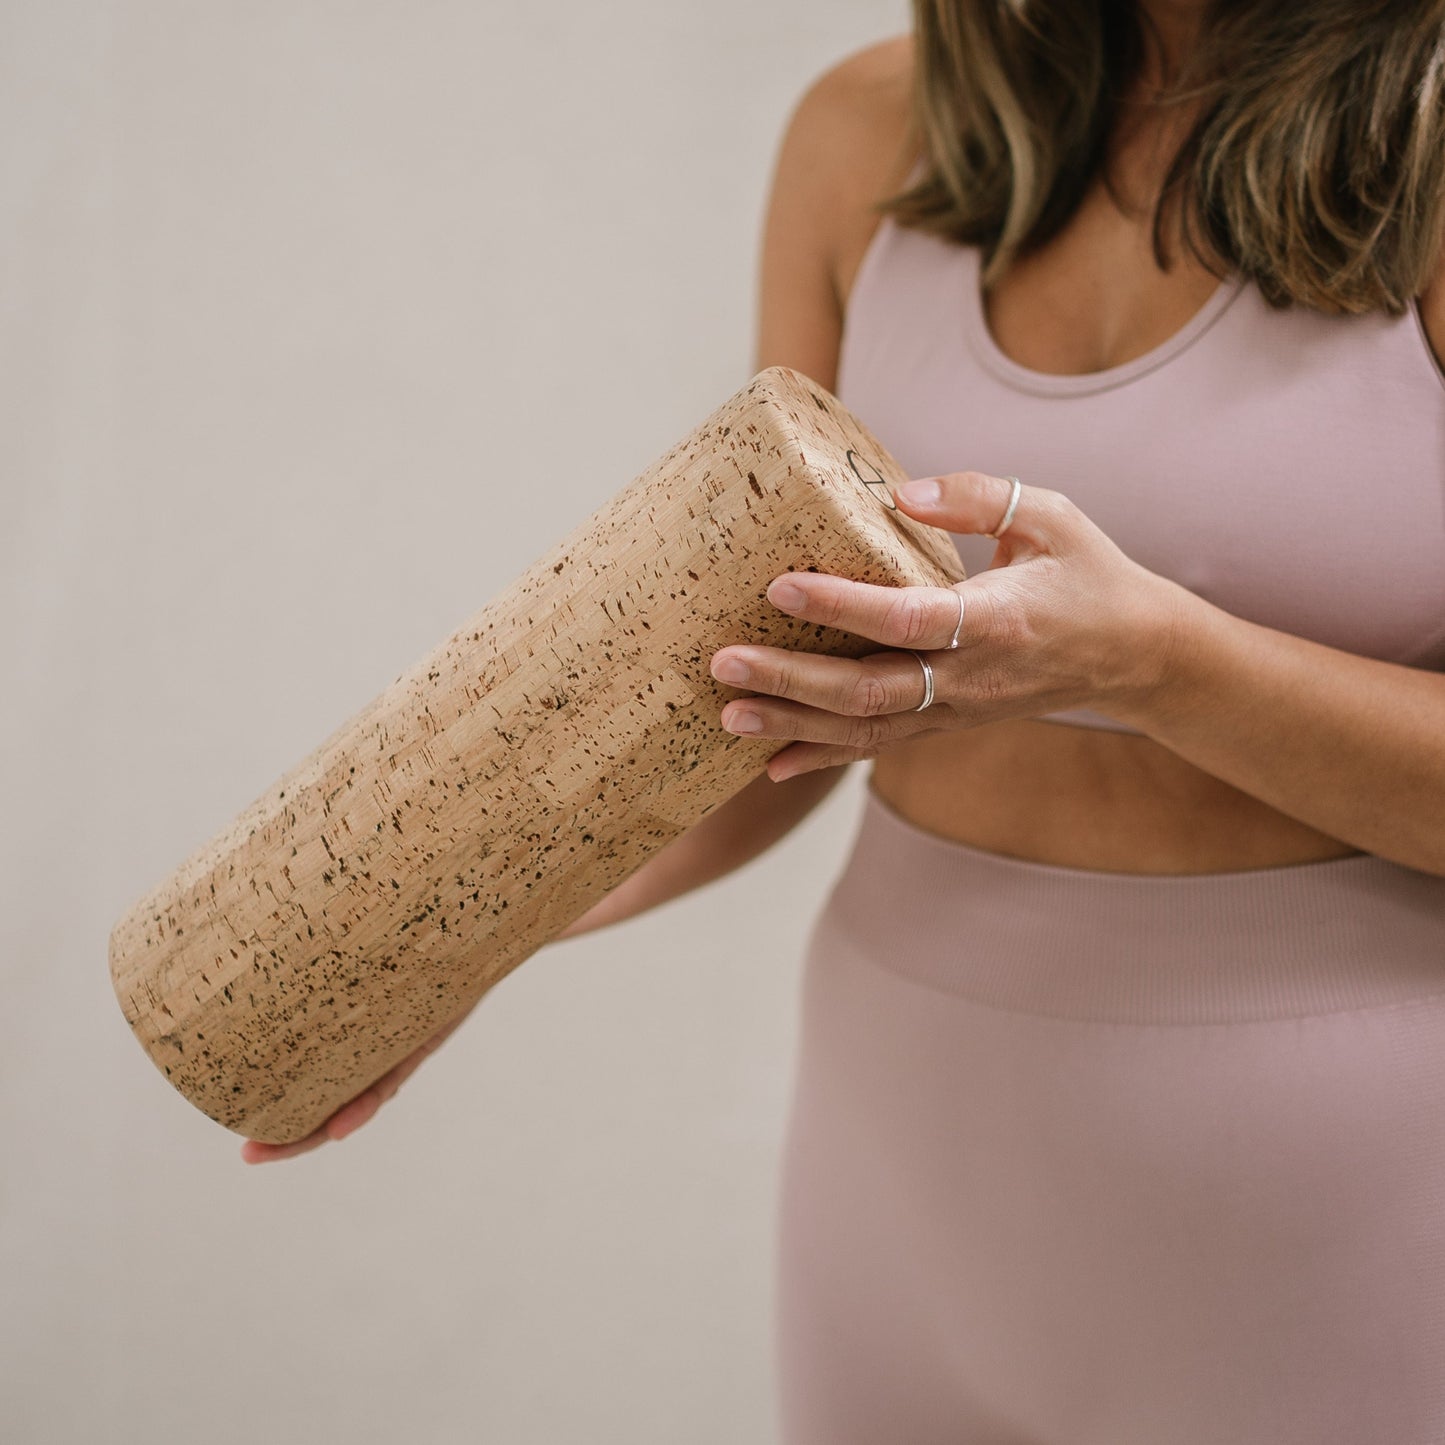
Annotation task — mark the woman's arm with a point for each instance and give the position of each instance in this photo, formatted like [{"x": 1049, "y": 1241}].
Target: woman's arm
[
  {"x": 840, "y": 148},
  {"x": 1063, "y": 618},
  {"x": 799, "y": 325},
  {"x": 1347, "y": 744},
  {"x": 1350, "y": 745},
  {"x": 748, "y": 824}
]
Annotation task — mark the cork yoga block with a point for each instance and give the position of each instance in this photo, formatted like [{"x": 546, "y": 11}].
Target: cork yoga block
[{"x": 520, "y": 770}]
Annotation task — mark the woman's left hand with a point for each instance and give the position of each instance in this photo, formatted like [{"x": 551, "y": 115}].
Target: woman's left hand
[{"x": 1061, "y": 618}]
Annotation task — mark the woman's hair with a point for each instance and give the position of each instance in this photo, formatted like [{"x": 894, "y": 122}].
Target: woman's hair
[{"x": 1314, "y": 164}]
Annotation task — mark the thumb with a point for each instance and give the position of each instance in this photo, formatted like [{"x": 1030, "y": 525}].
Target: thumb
[{"x": 970, "y": 502}]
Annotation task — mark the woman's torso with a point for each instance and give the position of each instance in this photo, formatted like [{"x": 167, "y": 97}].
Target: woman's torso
[{"x": 1081, "y": 337}]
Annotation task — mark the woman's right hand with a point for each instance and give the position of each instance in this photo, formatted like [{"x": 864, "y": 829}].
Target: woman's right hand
[
  {"x": 747, "y": 823},
  {"x": 606, "y": 910},
  {"x": 355, "y": 1112},
  {"x": 358, "y": 1111}
]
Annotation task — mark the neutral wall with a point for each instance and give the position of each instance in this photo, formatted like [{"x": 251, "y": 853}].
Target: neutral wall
[{"x": 320, "y": 322}]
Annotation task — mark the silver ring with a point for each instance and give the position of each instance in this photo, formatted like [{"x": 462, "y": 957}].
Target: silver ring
[
  {"x": 961, "y": 607},
  {"x": 927, "y": 681},
  {"x": 1013, "y": 502}
]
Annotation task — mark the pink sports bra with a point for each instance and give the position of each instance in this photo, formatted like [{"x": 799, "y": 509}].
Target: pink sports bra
[{"x": 1287, "y": 465}]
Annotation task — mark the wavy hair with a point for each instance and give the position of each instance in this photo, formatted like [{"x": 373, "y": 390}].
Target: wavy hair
[{"x": 1314, "y": 162}]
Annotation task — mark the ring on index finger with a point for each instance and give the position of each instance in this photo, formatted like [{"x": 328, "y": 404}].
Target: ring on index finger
[
  {"x": 924, "y": 663},
  {"x": 962, "y": 608}
]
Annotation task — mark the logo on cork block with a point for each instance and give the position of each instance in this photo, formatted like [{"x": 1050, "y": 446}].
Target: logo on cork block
[{"x": 868, "y": 474}]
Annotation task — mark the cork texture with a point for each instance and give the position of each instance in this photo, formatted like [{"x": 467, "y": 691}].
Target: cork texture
[{"x": 523, "y": 768}]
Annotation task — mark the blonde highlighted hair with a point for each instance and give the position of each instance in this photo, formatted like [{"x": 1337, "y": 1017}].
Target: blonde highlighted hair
[{"x": 1314, "y": 164}]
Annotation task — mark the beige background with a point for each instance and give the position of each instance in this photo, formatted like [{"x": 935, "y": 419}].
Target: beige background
[{"x": 320, "y": 322}]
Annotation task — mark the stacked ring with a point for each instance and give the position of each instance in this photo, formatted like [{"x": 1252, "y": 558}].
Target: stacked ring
[{"x": 927, "y": 682}]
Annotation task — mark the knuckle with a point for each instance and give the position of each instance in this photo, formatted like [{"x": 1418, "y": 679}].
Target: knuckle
[
  {"x": 867, "y": 697},
  {"x": 990, "y": 685},
  {"x": 830, "y": 607},
  {"x": 1002, "y": 631},
  {"x": 1055, "y": 505},
  {"x": 864, "y": 732},
  {"x": 1002, "y": 621},
  {"x": 972, "y": 478},
  {"x": 795, "y": 684},
  {"x": 907, "y": 616}
]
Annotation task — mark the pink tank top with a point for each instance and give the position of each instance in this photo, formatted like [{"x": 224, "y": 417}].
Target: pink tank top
[{"x": 1286, "y": 465}]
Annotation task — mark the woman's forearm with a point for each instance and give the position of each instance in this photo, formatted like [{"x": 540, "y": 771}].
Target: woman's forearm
[
  {"x": 734, "y": 833},
  {"x": 1350, "y": 745}
]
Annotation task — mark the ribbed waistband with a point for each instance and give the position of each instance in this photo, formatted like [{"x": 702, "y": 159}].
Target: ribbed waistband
[{"x": 1309, "y": 938}]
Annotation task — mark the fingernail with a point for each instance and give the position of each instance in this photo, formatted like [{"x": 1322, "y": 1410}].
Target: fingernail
[
  {"x": 730, "y": 669},
  {"x": 785, "y": 594},
  {"x": 924, "y": 492},
  {"x": 743, "y": 722}
]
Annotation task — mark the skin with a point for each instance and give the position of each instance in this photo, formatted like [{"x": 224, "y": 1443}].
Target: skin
[
  {"x": 1259, "y": 748},
  {"x": 1317, "y": 753}
]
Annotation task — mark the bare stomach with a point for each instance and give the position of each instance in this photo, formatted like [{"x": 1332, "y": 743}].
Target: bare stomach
[{"x": 1081, "y": 797}]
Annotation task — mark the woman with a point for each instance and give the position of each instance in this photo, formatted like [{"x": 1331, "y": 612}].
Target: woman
[{"x": 1119, "y": 1116}]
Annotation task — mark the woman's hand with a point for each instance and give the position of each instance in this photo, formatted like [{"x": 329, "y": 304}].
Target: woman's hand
[
  {"x": 354, "y": 1113},
  {"x": 1061, "y": 618}
]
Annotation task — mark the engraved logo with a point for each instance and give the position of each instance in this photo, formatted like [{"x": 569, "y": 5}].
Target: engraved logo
[{"x": 869, "y": 475}]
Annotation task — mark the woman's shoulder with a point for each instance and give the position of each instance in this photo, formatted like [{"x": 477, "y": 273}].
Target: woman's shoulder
[
  {"x": 854, "y": 124},
  {"x": 864, "y": 87}
]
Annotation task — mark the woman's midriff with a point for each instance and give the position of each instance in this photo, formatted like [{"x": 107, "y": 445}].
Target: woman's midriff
[{"x": 1081, "y": 797}]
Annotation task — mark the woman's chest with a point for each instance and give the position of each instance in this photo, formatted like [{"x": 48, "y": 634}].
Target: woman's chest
[
  {"x": 1093, "y": 298},
  {"x": 1287, "y": 466}
]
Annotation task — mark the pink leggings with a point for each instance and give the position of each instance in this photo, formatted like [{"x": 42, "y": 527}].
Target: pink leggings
[{"x": 1088, "y": 1158}]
